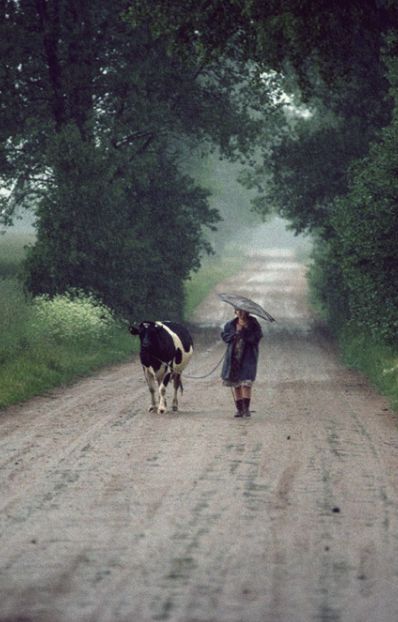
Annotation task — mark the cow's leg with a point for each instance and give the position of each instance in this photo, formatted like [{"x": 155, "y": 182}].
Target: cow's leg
[
  {"x": 162, "y": 393},
  {"x": 177, "y": 384},
  {"x": 152, "y": 385}
]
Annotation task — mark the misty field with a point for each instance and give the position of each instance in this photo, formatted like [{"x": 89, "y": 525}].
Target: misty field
[
  {"x": 12, "y": 252},
  {"x": 46, "y": 342}
]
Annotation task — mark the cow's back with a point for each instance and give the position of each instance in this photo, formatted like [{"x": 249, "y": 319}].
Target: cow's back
[{"x": 182, "y": 333}]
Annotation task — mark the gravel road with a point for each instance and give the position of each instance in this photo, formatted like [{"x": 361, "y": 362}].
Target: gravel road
[{"x": 113, "y": 514}]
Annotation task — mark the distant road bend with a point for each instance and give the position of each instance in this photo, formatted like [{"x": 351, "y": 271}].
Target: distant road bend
[{"x": 113, "y": 514}]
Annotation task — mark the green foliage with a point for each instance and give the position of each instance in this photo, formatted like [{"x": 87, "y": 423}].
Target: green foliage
[
  {"x": 363, "y": 345},
  {"x": 328, "y": 56},
  {"x": 74, "y": 315},
  {"x": 99, "y": 113},
  {"x": 15, "y": 316},
  {"x": 366, "y": 225},
  {"x": 195, "y": 30},
  {"x": 309, "y": 169},
  {"x": 335, "y": 173},
  {"x": 134, "y": 257},
  {"x": 327, "y": 290},
  {"x": 378, "y": 361},
  {"x": 40, "y": 369},
  {"x": 97, "y": 118},
  {"x": 46, "y": 343},
  {"x": 330, "y": 50},
  {"x": 356, "y": 271}
]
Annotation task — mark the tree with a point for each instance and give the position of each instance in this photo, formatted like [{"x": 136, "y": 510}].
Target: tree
[
  {"x": 110, "y": 251},
  {"x": 95, "y": 107},
  {"x": 334, "y": 174},
  {"x": 100, "y": 104},
  {"x": 330, "y": 56},
  {"x": 366, "y": 231}
]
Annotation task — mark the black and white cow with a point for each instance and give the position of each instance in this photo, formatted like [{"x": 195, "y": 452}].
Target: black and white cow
[{"x": 166, "y": 348}]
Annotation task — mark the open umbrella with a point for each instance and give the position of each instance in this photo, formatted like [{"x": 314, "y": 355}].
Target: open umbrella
[{"x": 241, "y": 302}]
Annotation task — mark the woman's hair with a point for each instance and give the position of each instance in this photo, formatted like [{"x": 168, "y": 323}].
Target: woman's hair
[{"x": 242, "y": 311}]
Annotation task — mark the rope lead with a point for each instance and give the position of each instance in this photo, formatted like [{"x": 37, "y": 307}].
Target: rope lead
[{"x": 206, "y": 375}]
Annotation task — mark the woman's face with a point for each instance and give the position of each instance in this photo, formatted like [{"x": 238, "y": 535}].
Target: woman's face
[{"x": 242, "y": 315}]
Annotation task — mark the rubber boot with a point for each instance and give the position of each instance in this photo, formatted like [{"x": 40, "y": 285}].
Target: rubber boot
[
  {"x": 246, "y": 407},
  {"x": 239, "y": 408}
]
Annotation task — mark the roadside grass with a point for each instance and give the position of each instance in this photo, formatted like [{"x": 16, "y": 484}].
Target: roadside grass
[
  {"x": 44, "y": 344},
  {"x": 43, "y": 368},
  {"x": 377, "y": 361},
  {"x": 358, "y": 350},
  {"x": 48, "y": 343}
]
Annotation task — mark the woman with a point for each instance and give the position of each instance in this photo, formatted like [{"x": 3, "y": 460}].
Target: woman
[{"x": 242, "y": 334}]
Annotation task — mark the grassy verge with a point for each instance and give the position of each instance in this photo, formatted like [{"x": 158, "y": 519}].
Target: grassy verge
[
  {"x": 44, "y": 344},
  {"x": 41, "y": 369},
  {"x": 378, "y": 361}
]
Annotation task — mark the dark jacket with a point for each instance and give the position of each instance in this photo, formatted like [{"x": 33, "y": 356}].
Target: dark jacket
[{"x": 251, "y": 337}]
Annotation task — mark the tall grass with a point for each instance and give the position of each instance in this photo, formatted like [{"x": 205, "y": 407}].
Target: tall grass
[
  {"x": 378, "y": 361},
  {"x": 45, "y": 343}
]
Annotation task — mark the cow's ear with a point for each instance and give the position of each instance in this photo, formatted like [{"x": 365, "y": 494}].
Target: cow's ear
[{"x": 133, "y": 329}]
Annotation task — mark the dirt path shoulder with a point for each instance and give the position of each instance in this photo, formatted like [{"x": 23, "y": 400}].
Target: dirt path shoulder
[{"x": 112, "y": 514}]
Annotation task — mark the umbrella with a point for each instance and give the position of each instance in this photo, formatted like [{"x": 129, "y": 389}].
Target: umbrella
[{"x": 241, "y": 302}]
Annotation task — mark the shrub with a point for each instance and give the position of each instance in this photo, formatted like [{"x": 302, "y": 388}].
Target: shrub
[
  {"x": 72, "y": 316},
  {"x": 366, "y": 224},
  {"x": 47, "y": 342},
  {"x": 328, "y": 292}
]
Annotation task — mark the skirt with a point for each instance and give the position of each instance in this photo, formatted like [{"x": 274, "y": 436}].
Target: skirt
[{"x": 238, "y": 383}]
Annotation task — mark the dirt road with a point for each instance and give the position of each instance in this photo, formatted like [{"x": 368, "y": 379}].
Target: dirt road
[{"x": 112, "y": 514}]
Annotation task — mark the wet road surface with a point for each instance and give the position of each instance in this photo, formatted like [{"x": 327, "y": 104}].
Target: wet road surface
[{"x": 113, "y": 514}]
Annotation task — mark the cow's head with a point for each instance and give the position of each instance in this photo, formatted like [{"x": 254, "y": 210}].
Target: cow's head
[{"x": 147, "y": 332}]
